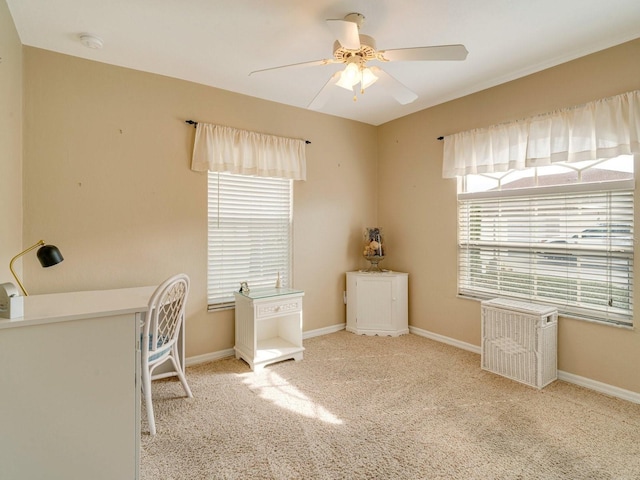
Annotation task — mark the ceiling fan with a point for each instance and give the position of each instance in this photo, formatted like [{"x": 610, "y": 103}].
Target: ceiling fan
[{"x": 355, "y": 50}]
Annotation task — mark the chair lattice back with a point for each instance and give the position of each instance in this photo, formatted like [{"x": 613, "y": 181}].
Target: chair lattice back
[{"x": 166, "y": 314}]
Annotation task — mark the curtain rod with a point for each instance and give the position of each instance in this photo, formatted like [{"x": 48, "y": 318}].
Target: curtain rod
[{"x": 195, "y": 124}]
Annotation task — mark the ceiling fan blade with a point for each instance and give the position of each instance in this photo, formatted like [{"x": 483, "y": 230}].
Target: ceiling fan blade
[
  {"x": 397, "y": 90},
  {"x": 323, "y": 95},
  {"x": 314, "y": 63},
  {"x": 440, "y": 52},
  {"x": 346, "y": 33}
]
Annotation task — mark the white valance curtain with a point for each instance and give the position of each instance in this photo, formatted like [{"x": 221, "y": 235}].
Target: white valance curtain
[
  {"x": 225, "y": 149},
  {"x": 600, "y": 129}
]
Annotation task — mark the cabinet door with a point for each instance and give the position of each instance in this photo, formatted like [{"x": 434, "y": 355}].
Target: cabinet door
[{"x": 375, "y": 308}]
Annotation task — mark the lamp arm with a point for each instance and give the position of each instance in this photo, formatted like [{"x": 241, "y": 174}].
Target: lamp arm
[{"x": 33, "y": 247}]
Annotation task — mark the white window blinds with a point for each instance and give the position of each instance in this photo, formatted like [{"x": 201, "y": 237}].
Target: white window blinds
[
  {"x": 250, "y": 234},
  {"x": 569, "y": 246}
]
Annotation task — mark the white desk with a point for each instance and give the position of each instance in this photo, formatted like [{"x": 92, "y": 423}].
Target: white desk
[{"x": 70, "y": 391}]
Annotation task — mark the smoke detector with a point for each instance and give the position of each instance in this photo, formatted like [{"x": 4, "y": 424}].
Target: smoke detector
[{"x": 91, "y": 41}]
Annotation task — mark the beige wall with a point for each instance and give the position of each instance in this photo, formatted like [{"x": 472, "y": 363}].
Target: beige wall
[
  {"x": 10, "y": 143},
  {"x": 417, "y": 206},
  {"x": 107, "y": 180}
]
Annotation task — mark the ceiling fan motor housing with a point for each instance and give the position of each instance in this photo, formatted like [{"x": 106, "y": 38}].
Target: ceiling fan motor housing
[{"x": 367, "y": 50}]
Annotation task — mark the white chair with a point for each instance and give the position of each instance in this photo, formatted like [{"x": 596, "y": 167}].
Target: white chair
[{"x": 160, "y": 335}]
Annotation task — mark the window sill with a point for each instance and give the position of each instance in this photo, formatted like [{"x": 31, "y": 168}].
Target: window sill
[
  {"x": 569, "y": 316},
  {"x": 221, "y": 307}
]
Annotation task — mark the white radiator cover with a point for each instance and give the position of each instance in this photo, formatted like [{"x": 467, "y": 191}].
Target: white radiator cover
[{"x": 519, "y": 341}]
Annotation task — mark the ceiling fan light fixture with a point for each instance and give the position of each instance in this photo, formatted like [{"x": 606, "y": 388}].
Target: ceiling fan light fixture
[
  {"x": 349, "y": 77},
  {"x": 344, "y": 85},
  {"x": 368, "y": 78}
]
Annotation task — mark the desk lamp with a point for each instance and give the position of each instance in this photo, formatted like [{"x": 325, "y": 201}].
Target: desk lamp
[{"x": 11, "y": 303}]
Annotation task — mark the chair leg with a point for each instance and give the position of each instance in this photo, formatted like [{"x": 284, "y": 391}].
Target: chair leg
[
  {"x": 146, "y": 390},
  {"x": 183, "y": 379}
]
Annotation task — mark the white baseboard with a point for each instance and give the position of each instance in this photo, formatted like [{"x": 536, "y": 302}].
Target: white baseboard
[
  {"x": 599, "y": 387},
  {"x": 442, "y": 339},
  {"x": 564, "y": 376},
  {"x": 323, "y": 331},
  {"x": 209, "y": 357}
]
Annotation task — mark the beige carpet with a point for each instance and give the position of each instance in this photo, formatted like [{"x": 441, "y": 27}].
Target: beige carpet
[{"x": 364, "y": 407}]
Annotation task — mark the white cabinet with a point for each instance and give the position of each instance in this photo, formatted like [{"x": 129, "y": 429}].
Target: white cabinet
[
  {"x": 377, "y": 303},
  {"x": 268, "y": 326}
]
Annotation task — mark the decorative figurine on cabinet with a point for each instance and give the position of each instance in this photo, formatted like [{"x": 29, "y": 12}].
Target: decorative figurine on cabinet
[{"x": 374, "y": 248}]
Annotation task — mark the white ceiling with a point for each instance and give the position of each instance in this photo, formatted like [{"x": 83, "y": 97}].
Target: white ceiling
[{"x": 219, "y": 42}]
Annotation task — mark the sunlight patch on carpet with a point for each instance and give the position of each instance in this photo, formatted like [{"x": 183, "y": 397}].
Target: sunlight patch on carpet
[{"x": 272, "y": 387}]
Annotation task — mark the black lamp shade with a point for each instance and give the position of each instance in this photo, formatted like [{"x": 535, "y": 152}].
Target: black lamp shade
[{"x": 49, "y": 255}]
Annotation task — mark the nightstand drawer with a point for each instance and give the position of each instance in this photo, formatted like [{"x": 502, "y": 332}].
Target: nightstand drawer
[{"x": 281, "y": 307}]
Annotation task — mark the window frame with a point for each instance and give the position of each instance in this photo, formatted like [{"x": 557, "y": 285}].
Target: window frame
[{"x": 589, "y": 313}]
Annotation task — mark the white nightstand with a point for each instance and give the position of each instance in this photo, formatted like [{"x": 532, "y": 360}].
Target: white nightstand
[{"x": 268, "y": 326}]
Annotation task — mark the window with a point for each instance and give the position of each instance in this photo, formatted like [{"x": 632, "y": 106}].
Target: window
[
  {"x": 250, "y": 234},
  {"x": 560, "y": 235}
]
